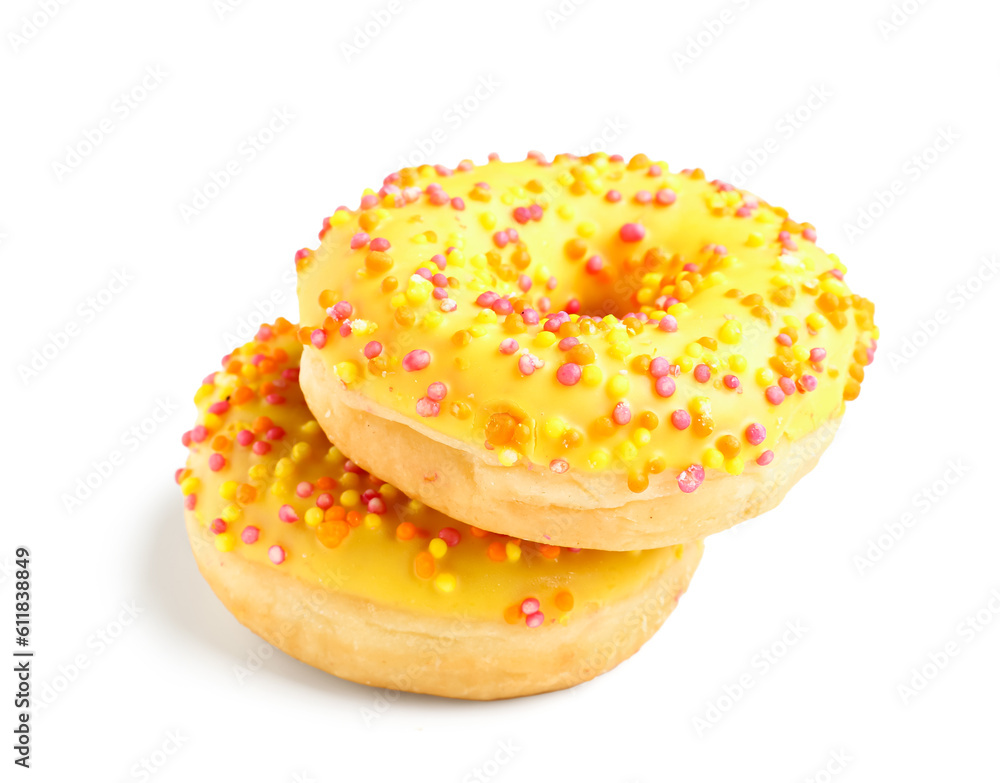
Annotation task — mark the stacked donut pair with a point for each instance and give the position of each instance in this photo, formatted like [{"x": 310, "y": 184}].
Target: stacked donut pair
[{"x": 519, "y": 397}]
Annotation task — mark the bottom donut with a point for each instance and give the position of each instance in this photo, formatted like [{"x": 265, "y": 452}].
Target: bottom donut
[{"x": 343, "y": 572}]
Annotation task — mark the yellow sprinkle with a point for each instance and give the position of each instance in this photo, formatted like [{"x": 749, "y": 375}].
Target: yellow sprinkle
[
  {"x": 284, "y": 467},
  {"x": 626, "y": 451},
  {"x": 190, "y": 485},
  {"x": 347, "y": 371},
  {"x": 333, "y": 453},
  {"x": 478, "y": 330},
  {"x": 281, "y": 488},
  {"x": 486, "y": 316},
  {"x": 618, "y": 386},
  {"x": 314, "y": 516},
  {"x": 834, "y": 286},
  {"x": 513, "y": 551},
  {"x": 301, "y": 451},
  {"x": 598, "y": 459},
  {"x": 388, "y": 492},
  {"x": 225, "y": 542},
  {"x": 816, "y": 321},
  {"x": 737, "y": 362},
  {"x": 350, "y": 480},
  {"x": 350, "y": 497},
  {"x": 686, "y": 363},
  {"x": 258, "y": 472},
  {"x": 445, "y": 582},
  {"x": 565, "y": 179},
  {"x": 212, "y": 420},
  {"x": 397, "y": 300},
  {"x": 731, "y": 332},
  {"x": 507, "y": 457},
  {"x": 228, "y": 490},
  {"x": 565, "y": 211},
  {"x": 554, "y": 427},
  {"x": 792, "y": 321},
  {"x": 800, "y": 352},
  {"x": 781, "y": 280},
  {"x": 231, "y": 513},
  {"x": 678, "y": 309},
  {"x": 418, "y": 290},
  {"x": 544, "y": 339},
  {"x": 203, "y": 391},
  {"x": 592, "y": 375},
  {"x": 694, "y": 350},
  {"x": 249, "y": 371},
  {"x": 734, "y": 465},
  {"x": 765, "y": 376},
  {"x": 586, "y": 229},
  {"x": 712, "y": 458},
  {"x": 437, "y": 547},
  {"x": 641, "y": 436},
  {"x": 340, "y": 217},
  {"x": 372, "y": 521},
  {"x": 755, "y": 239},
  {"x": 701, "y": 405},
  {"x": 488, "y": 220}
]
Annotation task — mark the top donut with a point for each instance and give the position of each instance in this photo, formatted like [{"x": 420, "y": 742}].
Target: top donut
[{"x": 580, "y": 348}]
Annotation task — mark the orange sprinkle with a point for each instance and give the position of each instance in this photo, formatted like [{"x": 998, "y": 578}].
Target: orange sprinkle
[
  {"x": 334, "y": 513},
  {"x": 325, "y": 482},
  {"x": 246, "y": 493},
  {"x": 512, "y": 614},
  {"x": 331, "y": 534},
  {"x": 478, "y": 533},
  {"x": 241, "y": 395},
  {"x": 497, "y": 551},
  {"x": 234, "y": 366},
  {"x": 424, "y": 564},
  {"x": 354, "y": 518},
  {"x": 405, "y": 531},
  {"x": 220, "y": 443},
  {"x": 564, "y": 600},
  {"x": 262, "y": 423},
  {"x": 549, "y": 551}
]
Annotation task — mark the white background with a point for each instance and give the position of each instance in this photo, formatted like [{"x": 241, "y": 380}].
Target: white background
[{"x": 606, "y": 68}]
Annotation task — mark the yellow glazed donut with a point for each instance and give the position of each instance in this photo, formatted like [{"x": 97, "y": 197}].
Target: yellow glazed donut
[
  {"x": 586, "y": 352},
  {"x": 346, "y": 573}
]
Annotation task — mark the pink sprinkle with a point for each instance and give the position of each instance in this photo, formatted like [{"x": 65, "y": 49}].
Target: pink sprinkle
[
  {"x": 765, "y": 458},
  {"x": 437, "y": 391},
  {"x": 218, "y": 526},
  {"x": 568, "y": 342},
  {"x": 655, "y": 170},
  {"x": 668, "y": 324},
  {"x": 817, "y": 354},
  {"x": 487, "y": 298},
  {"x": 536, "y": 212},
  {"x": 689, "y": 480},
  {"x": 457, "y": 203},
  {"x": 643, "y": 197},
  {"x": 376, "y": 506},
  {"x": 525, "y": 365},
  {"x": 274, "y": 399},
  {"x": 244, "y": 437},
  {"x": 774, "y": 395},
  {"x": 783, "y": 339},
  {"x": 190, "y": 502},
  {"x": 559, "y": 466},
  {"x": 530, "y": 316},
  {"x": 681, "y": 419},
  {"x": 275, "y": 433},
  {"x": 373, "y": 349},
  {"x": 260, "y": 448},
  {"x": 665, "y": 386},
  {"x": 509, "y": 346},
  {"x": 304, "y": 489},
  {"x": 342, "y": 310},
  {"x": 324, "y": 501},
  {"x": 216, "y": 462},
  {"x": 276, "y": 554},
  {"x": 809, "y": 234},
  {"x": 731, "y": 382},
  {"x": 594, "y": 264},
  {"x": 318, "y": 338},
  {"x": 613, "y": 196},
  {"x": 416, "y": 360},
  {"x": 666, "y": 197},
  {"x": 787, "y": 385},
  {"x": 632, "y": 232},
  {"x": 530, "y": 605},
  {"x": 524, "y": 283},
  {"x": 808, "y": 383},
  {"x": 219, "y": 407},
  {"x": 450, "y": 536},
  {"x": 250, "y": 534},
  {"x": 659, "y": 367},
  {"x": 500, "y": 239},
  {"x": 380, "y": 244},
  {"x": 534, "y": 619},
  {"x": 502, "y": 306},
  {"x": 303, "y": 253},
  {"x": 359, "y": 240},
  {"x": 702, "y": 373},
  {"x": 345, "y": 329},
  {"x": 573, "y": 306},
  {"x": 755, "y": 434},
  {"x": 369, "y": 201},
  {"x": 199, "y": 433},
  {"x": 569, "y": 374},
  {"x": 836, "y": 273},
  {"x": 427, "y": 408},
  {"x": 438, "y": 197},
  {"x": 439, "y": 280},
  {"x": 521, "y": 215},
  {"x": 287, "y": 514},
  {"x": 622, "y": 414}
]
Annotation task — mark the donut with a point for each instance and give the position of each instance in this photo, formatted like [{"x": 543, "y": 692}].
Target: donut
[
  {"x": 588, "y": 352},
  {"x": 344, "y": 572}
]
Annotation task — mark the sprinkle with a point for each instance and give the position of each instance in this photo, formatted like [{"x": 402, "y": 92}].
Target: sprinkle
[
  {"x": 569, "y": 374},
  {"x": 534, "y": 620},
  {"x": 702, "y": 373},
  {"x": 613, "y": 196},
  {"x": 558, "y": 466},
  {"x": 681, "y": 419},
  {"x": 774, "y": 395},
  {"x": 689, "y": 480},
  {"x": 216, "y": 462},
  {"x": 755, "y": 434},
  {"x": 287, "y": 514},
  {"x": 731, "y": 382},
  {"x": 817, "y": 354},
  {"x": 508, "y": 346},
  {"x": 787, "y": 385},
  {"x": 250, "y": 534},
  {"x": 666, "y": 197},
  {"x": 530, "y": 605},
  {"x": 416, "y": 360},
  {"x": 668, "y": 323},
  {"x": 665, "y": 387},
  {"x": 765, "y": 458},
  {"x": 632, "y": 232},
  {"x": 622, "y": 413},
  {"x": 276, "y": 554},
  {"x": 450, "y": 536},
  {"x": 359, "y": 240}
]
